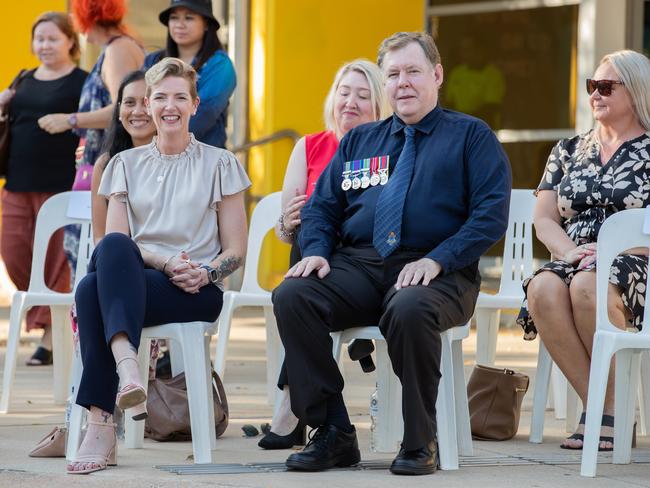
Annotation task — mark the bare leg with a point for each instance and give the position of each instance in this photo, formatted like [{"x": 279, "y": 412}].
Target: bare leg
[
  {"x": 100, "y": 439},
  {"x": 549, "y": 303},
  {"x": 128, "y": 371},
  {"x": 46, "y": 339},
  {"x": 284, "y": 421}
]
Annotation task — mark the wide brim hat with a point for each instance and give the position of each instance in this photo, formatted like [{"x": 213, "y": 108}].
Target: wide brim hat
[{"x": 202, "y": 7}]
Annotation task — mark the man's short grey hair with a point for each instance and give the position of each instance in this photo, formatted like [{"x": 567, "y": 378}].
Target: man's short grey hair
[{"x": 402, "y": 39}]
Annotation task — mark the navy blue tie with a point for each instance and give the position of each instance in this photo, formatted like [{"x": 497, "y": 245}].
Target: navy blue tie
[{"x": 387, "y": 231}]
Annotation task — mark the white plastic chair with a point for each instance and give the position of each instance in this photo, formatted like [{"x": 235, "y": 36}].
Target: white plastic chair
[
  {"x": 193, "y": 338},
  {"x": 452, "y": 412},
  {"x": 51, "y": 217},
  {"x": 264, "y": 217},
  {"x": 620, "y": 232},
  {"x": 517, "y": 265}
]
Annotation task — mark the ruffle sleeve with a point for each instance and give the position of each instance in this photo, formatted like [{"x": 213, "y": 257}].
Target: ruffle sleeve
[
  {"x": 113, "y": 181},
  {"x": 553, "y": 172},
  {"x": 231, "y": 178}
]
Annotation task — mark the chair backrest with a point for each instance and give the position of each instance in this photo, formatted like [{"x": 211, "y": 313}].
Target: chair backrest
[
  {"x": 619, "y": 233},
  {"x": 51, "y": 217},
  {"x": 86, "y": 248},
  {"x": 518, "y": 247},
  {"x": 264, "y": 217}
]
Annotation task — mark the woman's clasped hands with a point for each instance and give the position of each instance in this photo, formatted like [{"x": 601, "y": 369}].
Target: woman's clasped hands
[
  {"x": 583, "y": 255},
  {"x": 185, "y": 273}
]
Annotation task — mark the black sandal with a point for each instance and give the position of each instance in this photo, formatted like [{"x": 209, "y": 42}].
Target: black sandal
[
  {"x": 607, "y": 421},
  {"x": 576, "y": 436},
  {"x": 41, "y": 357}
]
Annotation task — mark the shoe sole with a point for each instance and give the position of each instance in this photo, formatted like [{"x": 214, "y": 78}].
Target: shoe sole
[
  {"x": 131, "y": 398},
  {"x": 341, "y": 462},
  {"x": 411, "y": 471}
]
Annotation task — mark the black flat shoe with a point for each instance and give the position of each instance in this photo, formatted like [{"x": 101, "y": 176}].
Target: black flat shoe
[
  {"x": 41, "y": 357},
  {"x": 275, "y": 441},
  {"x": 361, "y": 350},
  {"x": 416, "y": 462},
  {"x": 328, "y": 447}
]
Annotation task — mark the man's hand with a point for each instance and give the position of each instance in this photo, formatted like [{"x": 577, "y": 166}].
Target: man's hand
[
  {"x": 305, "y": 267},
  {"x": 423, "y": 270}
]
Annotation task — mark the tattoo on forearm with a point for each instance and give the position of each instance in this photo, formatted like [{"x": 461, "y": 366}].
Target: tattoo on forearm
[
  {"x": 106, "y": 416},
  {"x": 228, "y": 266}
]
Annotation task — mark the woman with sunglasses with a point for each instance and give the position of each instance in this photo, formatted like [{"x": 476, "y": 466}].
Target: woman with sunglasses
[{"x": 588, "y": 178}]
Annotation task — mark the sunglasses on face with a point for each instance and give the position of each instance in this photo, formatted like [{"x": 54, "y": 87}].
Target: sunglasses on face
[{"x": 604, "y": 87}]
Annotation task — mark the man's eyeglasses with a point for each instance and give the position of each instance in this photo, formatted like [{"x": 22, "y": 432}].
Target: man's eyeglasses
[{"x": 604, "y": 87}]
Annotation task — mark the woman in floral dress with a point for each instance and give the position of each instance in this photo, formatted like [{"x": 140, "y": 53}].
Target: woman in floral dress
[{"x": 588, "y": 178}]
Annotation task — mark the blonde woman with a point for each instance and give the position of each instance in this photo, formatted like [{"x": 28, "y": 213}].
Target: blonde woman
[
  {"x": 588, "y": 178},
  {"x": 356, "y": 97},
  {"x": 175, "y": 227}
]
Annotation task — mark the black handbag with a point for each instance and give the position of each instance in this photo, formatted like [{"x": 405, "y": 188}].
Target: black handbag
[{"x": 5, "y": 121}]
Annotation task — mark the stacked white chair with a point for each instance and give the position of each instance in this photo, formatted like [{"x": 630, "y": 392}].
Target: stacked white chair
[
  {"x": 51, "y": 217},
  {"x": 619, "y": 233},
  {"x": 452, "y": 412},
  {"x": 264, "y": 217}
]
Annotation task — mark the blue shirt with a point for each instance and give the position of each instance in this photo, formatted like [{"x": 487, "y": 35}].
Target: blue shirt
[
  {"x": 457, "y": 203},
  {"x": 216, "y": 83}
]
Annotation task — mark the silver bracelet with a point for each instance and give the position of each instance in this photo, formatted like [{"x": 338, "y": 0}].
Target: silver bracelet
[
  {"x": 283, "y": 230},
  {"x": 167, "y": 262}
]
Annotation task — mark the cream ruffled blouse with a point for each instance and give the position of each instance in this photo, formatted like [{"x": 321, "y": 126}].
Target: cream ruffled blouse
[{"x": 172, "y": 199}]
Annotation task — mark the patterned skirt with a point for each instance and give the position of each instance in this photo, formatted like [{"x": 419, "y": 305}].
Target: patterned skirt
[{"x": 629, "y": 273}]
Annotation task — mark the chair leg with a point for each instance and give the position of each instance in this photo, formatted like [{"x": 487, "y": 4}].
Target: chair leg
[
  {"x": 223, "y": 334},
  {"x": 273, "y": 346},
  {"x": 559, "y": 392},
  {"x": 208, "y": 368},
  {"x": 75, "y": 421},
  {"x": 15, "y": 320},
  {"x": 175, "y": 356},
  {"x": 644, "y": 393},
  {"x": 627, "y": 379},
  {"x": 597, "y": 385},
  {"x": 199, "y": 392},
  {"x": 389, "y": 398},
  {"x": 542, "y": 380},
  {"x": 134, "y": 430},
  {"x": 445, "y": 410},
  {"x": 62, "y": 351},
  {"x": 487, "y": 331},
  {"x": 463, "y": 426}
]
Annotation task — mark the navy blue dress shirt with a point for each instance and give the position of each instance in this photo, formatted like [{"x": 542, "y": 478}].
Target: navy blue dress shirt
[{"x": 456, "y": 206}]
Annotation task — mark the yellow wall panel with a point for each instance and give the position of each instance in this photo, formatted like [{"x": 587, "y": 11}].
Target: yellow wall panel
[
  {"x": 296, "y": 48},
  {"x": 15, "y": 35}
]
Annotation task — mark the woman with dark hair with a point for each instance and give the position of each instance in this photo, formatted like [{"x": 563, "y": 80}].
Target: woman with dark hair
[
  {"x": 192, "y": 37},
  {"x": 131, "y": 126},
  {"x": 40, "y": 164}
]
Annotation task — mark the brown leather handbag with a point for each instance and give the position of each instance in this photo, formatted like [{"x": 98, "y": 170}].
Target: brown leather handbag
[
  {"x": 169, "y": 411},
  {"x": 495, "y": 396}
]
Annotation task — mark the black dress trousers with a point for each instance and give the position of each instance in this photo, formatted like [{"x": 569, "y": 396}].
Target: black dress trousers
[
  {"x": 359, "y": 291},
  {"x": 120, "y": 295}
]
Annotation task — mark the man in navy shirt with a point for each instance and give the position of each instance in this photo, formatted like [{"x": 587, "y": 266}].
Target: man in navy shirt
[{"x": 391, "y": 237}]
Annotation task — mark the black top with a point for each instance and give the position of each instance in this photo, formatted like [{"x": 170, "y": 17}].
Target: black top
[
  {"x": 457, "y": 202},
  {"x": 39, "y": 161}
]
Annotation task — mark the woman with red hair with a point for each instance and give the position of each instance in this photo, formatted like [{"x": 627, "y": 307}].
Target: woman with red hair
[{"x": 101, "y": 22}]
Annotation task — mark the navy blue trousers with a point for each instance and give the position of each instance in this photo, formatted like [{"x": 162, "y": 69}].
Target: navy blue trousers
[{"x": 119, "y": 294}]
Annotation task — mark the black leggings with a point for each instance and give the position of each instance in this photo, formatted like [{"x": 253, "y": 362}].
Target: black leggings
[{"x": 120, "y": 294}]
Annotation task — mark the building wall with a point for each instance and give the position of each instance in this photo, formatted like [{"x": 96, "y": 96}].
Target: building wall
[
  {"x": 15, "y": 35},
  {"x": 296, "y": 48}
]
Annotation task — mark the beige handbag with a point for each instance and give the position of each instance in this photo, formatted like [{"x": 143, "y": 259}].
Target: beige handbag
[{"x": 495, "y": 396}]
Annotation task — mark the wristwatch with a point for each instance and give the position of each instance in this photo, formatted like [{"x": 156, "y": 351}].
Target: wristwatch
[
  {"x": 72, "y": 120},
  {"x": 213, "y": 274}
]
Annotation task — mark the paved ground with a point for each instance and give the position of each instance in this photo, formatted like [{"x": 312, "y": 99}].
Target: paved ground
[{"x": 34, "y": 415}]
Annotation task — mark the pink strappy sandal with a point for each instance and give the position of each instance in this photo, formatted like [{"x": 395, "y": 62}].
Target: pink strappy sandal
[{"x": 97, "y": 462}]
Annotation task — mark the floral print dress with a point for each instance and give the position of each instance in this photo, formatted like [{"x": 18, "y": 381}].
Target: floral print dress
[{"x": 589, "y": 192}]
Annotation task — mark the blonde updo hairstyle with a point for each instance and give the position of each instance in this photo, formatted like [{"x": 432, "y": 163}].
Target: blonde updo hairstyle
[
  {"x": 171, "y": 67},
  {"x": 380, "y": 107}
]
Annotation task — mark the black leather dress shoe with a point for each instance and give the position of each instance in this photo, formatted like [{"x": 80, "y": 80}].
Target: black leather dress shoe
[
  {"x": 418, "y": 461},
  {"x": 327, "y": 448}
]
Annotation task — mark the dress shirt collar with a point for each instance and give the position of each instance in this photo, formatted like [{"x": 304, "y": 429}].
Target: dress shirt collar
[{"x": 426, "y": 125}]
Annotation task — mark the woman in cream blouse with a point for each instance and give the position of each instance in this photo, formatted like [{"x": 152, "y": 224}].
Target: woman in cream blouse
[{"x": 175, "y": 227}]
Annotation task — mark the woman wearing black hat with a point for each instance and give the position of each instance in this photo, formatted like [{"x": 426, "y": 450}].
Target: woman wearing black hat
[{"x": 192, "y": 37}]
